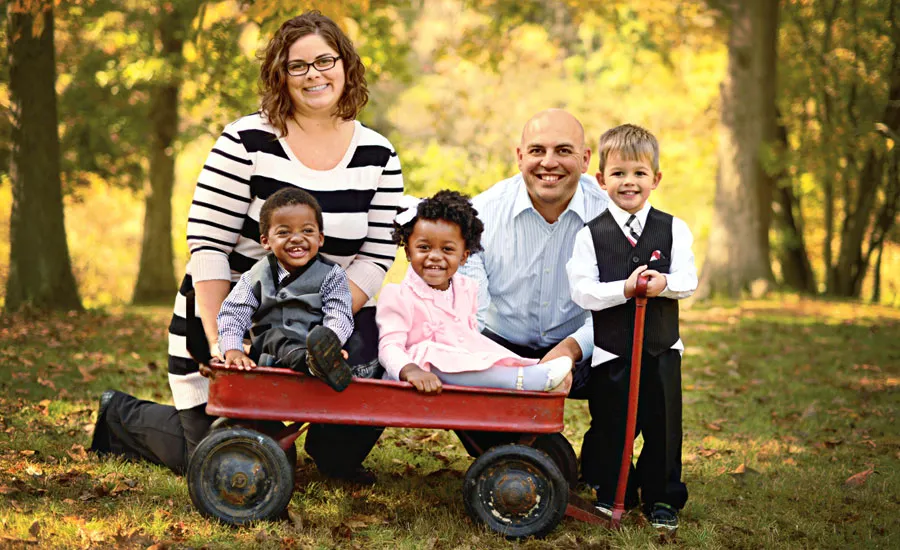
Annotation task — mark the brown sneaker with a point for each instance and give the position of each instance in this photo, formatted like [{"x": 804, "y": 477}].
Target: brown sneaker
[{"x": 324, "y": 358}]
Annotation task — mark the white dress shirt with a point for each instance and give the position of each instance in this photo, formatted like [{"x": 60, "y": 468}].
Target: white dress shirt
[{"x": 591, "y": 294}]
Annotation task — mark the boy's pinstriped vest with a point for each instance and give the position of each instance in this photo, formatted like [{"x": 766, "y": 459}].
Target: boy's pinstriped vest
[{"x": 617, "y": 258}]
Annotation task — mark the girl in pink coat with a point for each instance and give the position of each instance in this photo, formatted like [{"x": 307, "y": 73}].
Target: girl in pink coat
[{"x": 427, "y": 326}]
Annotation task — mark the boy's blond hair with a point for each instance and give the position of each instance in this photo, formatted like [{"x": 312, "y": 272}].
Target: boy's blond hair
[{"x": 631, "y": 142}]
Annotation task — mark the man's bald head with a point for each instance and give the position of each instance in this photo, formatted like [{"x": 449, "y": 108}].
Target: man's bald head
[
  {"x": 560, "y": 119},
  {"x": 552, "y": 157}
]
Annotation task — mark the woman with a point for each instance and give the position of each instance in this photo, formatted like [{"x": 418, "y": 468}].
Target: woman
[{"x": 305, "y": 135}]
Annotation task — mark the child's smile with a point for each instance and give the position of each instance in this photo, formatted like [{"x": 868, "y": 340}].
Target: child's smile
[
  {"x": 294, "y": 236},
  {"x": 436, "y": 249},
  {"x": 628, "y": 182}
]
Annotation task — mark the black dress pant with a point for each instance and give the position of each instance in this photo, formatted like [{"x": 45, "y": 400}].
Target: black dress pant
[
  {"x": 161, "y": 434},
  {"x": 658, "y": 472},
  {"x": 136, "y": 429}
]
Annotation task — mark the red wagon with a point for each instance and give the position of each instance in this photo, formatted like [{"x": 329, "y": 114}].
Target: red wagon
[{"x": 244, "y": 469}]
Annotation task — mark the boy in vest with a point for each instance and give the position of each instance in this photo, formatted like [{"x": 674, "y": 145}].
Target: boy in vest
[
  {"x": 627, "y": 240},
  {"x": 296, "y": 303}
]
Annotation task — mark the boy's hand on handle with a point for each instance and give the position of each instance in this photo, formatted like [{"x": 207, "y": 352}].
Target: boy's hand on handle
[
  {"x": 631, "y": 282},
  {"x": 656, "y": 284},
  {"x": 238, "y": 359},
  {"x": 422, "y": 380}
]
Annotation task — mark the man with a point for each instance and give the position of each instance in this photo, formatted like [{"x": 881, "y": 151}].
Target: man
[{"x": 530, "y": 222}]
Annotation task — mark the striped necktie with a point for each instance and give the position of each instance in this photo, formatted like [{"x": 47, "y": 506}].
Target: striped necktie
[{"x": 634, "y": 234}]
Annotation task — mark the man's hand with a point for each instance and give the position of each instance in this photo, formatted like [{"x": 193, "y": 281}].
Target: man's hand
[
  {"x": 567, "y": 348},
  {"x": 238, "y": 359},
  {"x": 422, "y": 380}
]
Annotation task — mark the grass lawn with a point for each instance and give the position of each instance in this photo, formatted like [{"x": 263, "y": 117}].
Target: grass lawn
[{"x": 790, "y": 442}]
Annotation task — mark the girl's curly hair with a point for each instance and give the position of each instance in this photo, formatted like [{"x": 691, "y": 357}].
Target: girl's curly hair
[
  {"x": 276, "y": 100},
  {"x": 451, "y": 206}
]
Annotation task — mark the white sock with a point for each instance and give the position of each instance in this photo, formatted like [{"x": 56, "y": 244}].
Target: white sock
[{"x": 557, "y": 370}]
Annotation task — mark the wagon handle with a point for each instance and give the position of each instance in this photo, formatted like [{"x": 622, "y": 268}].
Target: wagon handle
[{"x": 640, "y": 303}]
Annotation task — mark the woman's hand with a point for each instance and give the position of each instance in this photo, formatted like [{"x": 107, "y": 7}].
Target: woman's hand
[{"x": 422, "y": 380}]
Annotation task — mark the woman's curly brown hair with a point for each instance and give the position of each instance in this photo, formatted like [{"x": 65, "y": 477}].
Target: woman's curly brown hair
[{"x": 276, "y": 100}]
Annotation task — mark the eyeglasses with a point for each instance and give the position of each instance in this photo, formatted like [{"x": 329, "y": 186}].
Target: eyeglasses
[{"x": 322, "y": 64}]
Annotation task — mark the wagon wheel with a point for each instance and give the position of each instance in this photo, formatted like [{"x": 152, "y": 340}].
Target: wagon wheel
[
  {"x": 269, "y": 427},
  {"x": 516, "y": 490},
  {"x": 238, "y": 475},
  {"x": 561, "y": 452}
]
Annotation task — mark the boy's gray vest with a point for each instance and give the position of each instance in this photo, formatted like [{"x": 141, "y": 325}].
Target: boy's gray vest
[
  {"x": 295, "y": 305},
  {"x": 614, "y": 327}
]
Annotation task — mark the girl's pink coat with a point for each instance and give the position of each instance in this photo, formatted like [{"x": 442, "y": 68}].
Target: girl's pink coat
[{"x": 418, "y": 324}]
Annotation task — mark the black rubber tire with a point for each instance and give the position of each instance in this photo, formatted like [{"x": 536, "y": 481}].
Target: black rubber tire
[
  {"x": 238, "y": 476},
  {"x": 561, "y": 452},
  {"x": 269, "y": 427},
  {"x": 517, "y": 491}
]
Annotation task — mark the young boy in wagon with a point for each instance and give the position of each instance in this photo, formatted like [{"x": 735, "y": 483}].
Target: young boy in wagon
[{"x": 296, "y": 304}]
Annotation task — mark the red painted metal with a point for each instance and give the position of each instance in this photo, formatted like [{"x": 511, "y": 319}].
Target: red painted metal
[
  {"x": 266, "y": 393},
  {"x": 583, "y": 510},
  {"x": 640, "y": 302}
]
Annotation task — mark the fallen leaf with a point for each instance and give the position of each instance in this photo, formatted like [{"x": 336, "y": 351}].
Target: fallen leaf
[
  {"x": 742, "y": 470},
  {"x": 857, "y": 479},
  {"x": 790, "y": 461},
  {"x": 714, "y": 427},
  {"x": 361, "y": 521},
  {"x": 35, "y": 529},
  {"x": 86, "y": 375},
  {"x": 707, "y": 452},
  {"x": 809, "y": 411},
  {"x": 77, "y": 452}
]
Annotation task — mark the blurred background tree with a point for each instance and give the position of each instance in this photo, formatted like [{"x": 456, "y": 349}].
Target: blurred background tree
[
  {"x": 777, "y": 119},
  {"x": 40, "y": 274}
]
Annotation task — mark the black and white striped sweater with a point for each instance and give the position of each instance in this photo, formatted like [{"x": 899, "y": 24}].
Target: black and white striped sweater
[{"x": 248, "y": 163}]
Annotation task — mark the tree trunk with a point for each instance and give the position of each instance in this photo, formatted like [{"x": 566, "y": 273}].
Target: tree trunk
[
  {"x": 40, "y": 271},
  {"x": 738, "y": 254},
  {"x": 876, "y": 281},
  {"x": 156, "y": 279},
  {"x": 852, "y": 264},
  {"x": 795, "y": 267}
]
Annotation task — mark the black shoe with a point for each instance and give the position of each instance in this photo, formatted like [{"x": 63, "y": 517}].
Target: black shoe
[
  {"x": 663, "y": 517},
  {"x": 105, "y": 399},
  {"x": 357, "y": 476},
  {"x": 325, "y": 360}
]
